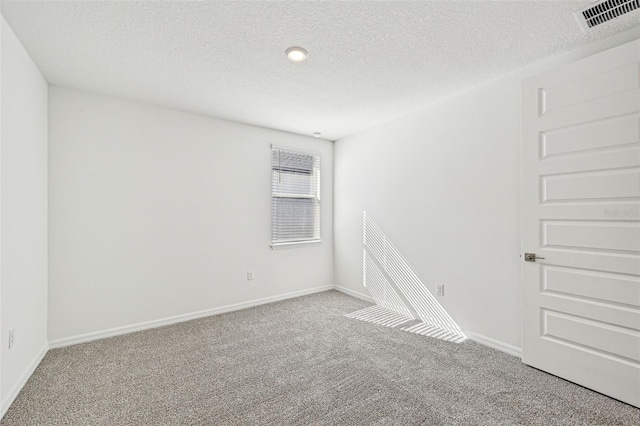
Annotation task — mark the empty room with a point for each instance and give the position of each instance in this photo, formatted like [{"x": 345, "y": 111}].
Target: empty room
[{"x": 320, "y": 212}]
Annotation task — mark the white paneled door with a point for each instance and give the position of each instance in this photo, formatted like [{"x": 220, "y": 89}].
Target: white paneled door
[{"x": 581, "y": 219}]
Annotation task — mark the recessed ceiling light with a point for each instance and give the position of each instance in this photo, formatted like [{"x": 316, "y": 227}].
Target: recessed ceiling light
[
  {"x": 296, "y": 54},
  {"x": 317, "y": 134}
]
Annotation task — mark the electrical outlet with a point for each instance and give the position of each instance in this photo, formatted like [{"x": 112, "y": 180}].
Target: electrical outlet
[
  {"x": 12, "y": 338},
  {"x": 249, "y": 275},
  {"x": 440, "y": 289}
]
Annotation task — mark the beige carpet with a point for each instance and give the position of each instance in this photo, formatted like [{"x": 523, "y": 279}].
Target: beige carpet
[{"x": 298, "y": 362}]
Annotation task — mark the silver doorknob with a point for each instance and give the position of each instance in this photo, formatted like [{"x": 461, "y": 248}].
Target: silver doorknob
[{"x": 531, "y": 257}]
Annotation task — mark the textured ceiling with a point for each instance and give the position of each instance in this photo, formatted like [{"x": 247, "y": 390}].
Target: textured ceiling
[{"x": 368, "y": 61}]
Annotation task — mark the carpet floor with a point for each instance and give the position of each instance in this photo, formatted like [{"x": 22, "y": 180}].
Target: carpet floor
[{"x": 298, "y": 362}]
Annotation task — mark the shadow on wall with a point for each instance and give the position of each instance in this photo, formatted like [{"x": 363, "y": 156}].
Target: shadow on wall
[{"x": 400, "y": 295}]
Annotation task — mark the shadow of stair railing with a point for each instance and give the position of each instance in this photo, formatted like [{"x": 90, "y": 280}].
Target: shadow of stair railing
[{"x": 400, "y": 295}]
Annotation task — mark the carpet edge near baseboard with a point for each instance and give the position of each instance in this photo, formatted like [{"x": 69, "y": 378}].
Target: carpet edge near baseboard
[
  {"x": 117, "y": 331},
  {"x": 83, "y": 338},
  {"x": 495, "y": 344},
  {"x": 26, "y": 375},
  {"x": 354, "y": 293},
  {"x": 479, "y": 338}
]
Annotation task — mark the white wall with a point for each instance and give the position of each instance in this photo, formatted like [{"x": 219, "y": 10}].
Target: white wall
[
  {"x": 156, "y": 213},
  {"x": 23, "y": 223},
  {"x": 444, "y": 184}
]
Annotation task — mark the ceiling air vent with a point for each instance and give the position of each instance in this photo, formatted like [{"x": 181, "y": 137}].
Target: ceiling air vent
[{"x": 603, "y": 11}]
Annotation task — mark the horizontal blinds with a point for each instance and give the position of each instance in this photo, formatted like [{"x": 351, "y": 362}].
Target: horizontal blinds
[{"x": 295, "y": 183}]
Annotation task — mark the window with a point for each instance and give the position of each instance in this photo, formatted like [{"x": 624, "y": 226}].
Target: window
[{"x": 295, "y": 194}]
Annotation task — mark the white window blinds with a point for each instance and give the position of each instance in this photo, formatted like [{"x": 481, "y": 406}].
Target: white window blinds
[{"x": 295, "y": 192}]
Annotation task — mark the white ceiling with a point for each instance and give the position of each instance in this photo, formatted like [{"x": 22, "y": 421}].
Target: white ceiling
[{"x": 368, "y": 61}]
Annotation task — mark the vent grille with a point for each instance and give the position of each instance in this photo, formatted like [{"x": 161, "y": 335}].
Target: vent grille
[{"x": 605, "y": 11}]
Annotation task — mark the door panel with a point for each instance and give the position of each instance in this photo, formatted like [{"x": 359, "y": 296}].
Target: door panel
[
  {"x": 617, "y": 342},
  {"x": 581, "y": 216},
  {"x": 609, "y": 82},
  {"x": 604, "y": 134},
  {"x": 578, "y": 306},
  {"x": 592, "y": 235},
  {"x": 613, "y": 106},
  {"x": 606, "y": 287}
]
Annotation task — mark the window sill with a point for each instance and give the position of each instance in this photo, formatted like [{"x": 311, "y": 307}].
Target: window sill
[{"x": 294, "y": 244}]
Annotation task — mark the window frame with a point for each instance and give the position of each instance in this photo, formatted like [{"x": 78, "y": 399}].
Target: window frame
[{"x": 316, "y": 174}]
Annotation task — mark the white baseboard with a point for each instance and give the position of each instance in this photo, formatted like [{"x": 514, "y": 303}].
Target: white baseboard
[
  {"x": 117, "y": 331},
  {"x": 15, "y": 390},
  {"x": 354, "y": 293},
  {"x": 495, "y": 344}
]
